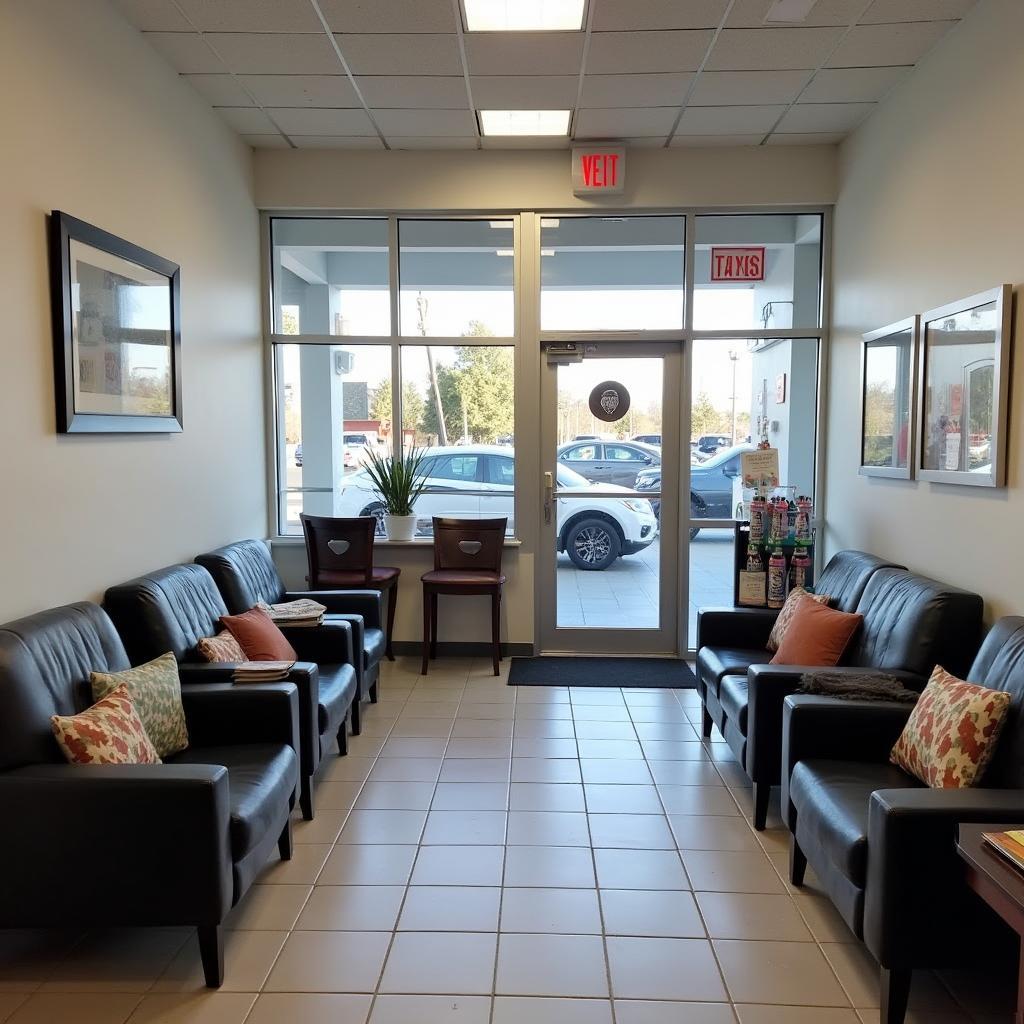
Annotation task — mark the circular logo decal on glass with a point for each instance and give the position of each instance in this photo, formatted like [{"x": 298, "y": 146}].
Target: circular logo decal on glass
[{"x": 609, "y": 401}]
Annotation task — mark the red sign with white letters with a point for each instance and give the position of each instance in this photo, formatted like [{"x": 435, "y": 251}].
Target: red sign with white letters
[
  {"x": 600, "y": 169},
  {"x": 737, "y": 263}
]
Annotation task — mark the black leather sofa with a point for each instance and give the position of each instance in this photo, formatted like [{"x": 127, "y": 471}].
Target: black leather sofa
[
  {"x": 911, "y": 623},
  {"x": 880, "y": 842},
  {"x": 172, "y": 609},
  {"x": 167, "y": 844},
  {"x": 245, "y": 573}
]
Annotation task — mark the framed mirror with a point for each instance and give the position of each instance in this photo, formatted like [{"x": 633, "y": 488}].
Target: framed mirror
[
  {"x": 888, "y": 375},
  {"x": 964, "y": 382}
]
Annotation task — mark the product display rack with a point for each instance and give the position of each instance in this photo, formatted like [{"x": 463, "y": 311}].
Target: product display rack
[{"x": 741, "y": 539}]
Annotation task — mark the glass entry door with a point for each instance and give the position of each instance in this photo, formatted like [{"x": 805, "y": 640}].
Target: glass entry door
[{"x": 610, "y": 517}]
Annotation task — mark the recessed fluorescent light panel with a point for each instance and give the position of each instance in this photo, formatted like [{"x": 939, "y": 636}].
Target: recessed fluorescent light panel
[
  {"x": 524, "y": 122},
  {"x": 789, "y": 12},
  {"x": 524, "y": 15}
]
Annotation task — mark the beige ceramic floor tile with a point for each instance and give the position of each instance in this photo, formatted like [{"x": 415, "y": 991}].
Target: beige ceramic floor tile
[
  {"x": 192, "y": 1008},
  {"x": 248, "y": 958},
  {"x": 400, "y": 747},
  {"x": 322, "y": 830},
  {"x": 546, "y": 796},
  {"x": 470, "y": 796},
  {"x": 668, "y": 913},
  {"x": 565, "y": 911},
  {"x": 356, "y": 908},
  {"x": 640, "y": 869},
  {"x": 464, "y": 828},
  {"x": 645, "y": 968},
  {"x": 461, "y": 747},
  {"x": 424, "y": 962},
  {"x": 794, "y": 973},
  {"x": 9, "y": 1002},
  {"x": 380, "y": 827},
  {"x": 541, "y": 728},
  {"x": 794, "y": 1015},
  {"x": 549, "y": 867},
  {"x": 369, "y": 865},
  {"x": 685, "y": 773},
  {"x": 459, "y": 865},
  {"x": 80, "y": 1007},
  {"x": 474, "y": 769},
  {"x": 329, "y": 962},
  {"x": 480, "y": 728},
  {"x": 545, "y": 769},
  {"x": 825, "y": 922},
  {"x": 269, "y": 908},
  {"x": 729, "y": 871},
  {"x": 346, "y": 769},
  {"x": 547, "y": 828},
  {"x": 606, "y": 799},
  {"x": 309, "y": 1008},
  {"x": 517, "y": 1009},
  {"x": 335, "y": 796},
  {"x": 713, "y": 832},
  {"x": 633, "y": 1011},
  {"x": 117, "y": 960},
  {"x": 631, "y": 831},
  {"x": 302, "y": 869},
  {"x": 546, "y": 746},
  {"x": 445, "y": 908},
  {"x": 699, "y": 800},
  {"x": 405, "y": 769},
  {"x": 394, "y": 1009},
  {"x": 605, "y": 771},
  {"x": 551, "y": 965},
  {"x": 29, "y": 955},
  {"x": 732, "y": 915},
  {"x": 408, "y": 727},
  {"x": 395, "y": 796}
]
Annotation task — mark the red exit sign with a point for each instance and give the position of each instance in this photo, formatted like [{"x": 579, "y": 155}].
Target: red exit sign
[
  {"x": 737, "y": 263},
  {"x": 598, "y": 169}
]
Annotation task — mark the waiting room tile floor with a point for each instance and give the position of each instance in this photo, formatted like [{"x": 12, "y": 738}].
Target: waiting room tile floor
[{"x": 495, "y": 855}]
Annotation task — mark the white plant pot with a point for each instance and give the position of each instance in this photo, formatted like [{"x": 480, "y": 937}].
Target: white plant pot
[{"x": 400, "y": 527}]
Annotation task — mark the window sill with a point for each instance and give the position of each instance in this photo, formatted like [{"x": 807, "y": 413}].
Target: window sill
[{"x": 383, "y": 542}]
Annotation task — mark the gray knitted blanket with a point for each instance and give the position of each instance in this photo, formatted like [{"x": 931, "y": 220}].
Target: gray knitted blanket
[{"x": 847, "y": 686}]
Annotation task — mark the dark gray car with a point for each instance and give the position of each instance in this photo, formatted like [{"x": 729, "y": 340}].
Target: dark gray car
[{"x": 609, "y": 462}]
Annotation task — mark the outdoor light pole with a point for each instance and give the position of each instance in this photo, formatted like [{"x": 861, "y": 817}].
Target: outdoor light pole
[{"x": 733, "y": 358}]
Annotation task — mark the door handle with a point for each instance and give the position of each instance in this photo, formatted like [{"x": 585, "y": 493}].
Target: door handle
[{"x": 549, "y": 487}]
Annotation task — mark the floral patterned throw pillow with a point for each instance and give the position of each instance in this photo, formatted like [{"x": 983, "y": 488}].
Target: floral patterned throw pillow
[
  {"x": 156, "y": 692},
  {"x": 796, "y": 595},
  {"x": 951, "y": 734},
  {"x": 222, "y": 648},
  {"x": 110, "y": 732}
]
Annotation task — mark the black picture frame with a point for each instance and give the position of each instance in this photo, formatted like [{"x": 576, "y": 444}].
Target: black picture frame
[{"x": 73, "y": 398}]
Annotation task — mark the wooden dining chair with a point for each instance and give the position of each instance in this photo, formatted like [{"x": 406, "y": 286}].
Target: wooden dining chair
[
  {"x": 467, "y": 562},
  {"x": 340, "y": 557}
]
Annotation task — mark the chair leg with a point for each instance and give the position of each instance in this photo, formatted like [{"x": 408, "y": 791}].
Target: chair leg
[
  {"x": 392, "y": 604},
  {"x": 496, "y": 630},
  {"x": 705, "y": 722},
  {"x": 374, "y": 690},
  {"x": 797, "y": 862},
  {"x": 426, "y": 632},
  {"x": 284, "y": 841},
  {"x": 211, "y": 952},
  {"x": 343, "y": 739},
  {"x": 357, "y": 717},
  {"x": 306, "y": 797},
  {"x": 895, "y": 985},
  {"x": 433, "y": 627},
  {"x": 762, "y": 794}
]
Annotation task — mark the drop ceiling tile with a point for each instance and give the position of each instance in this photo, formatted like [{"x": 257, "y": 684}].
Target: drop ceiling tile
[
  {"x": 852, "y": 85},
  {"x": 426, "y": 123},
  {"x": 251, "y": 15},
  {"x": 220, "y": 90},
  {"x": 389, "y": 15},
  {"x": 528, "y": 92},
  {"x": 523, "y": 142},
  {"x": 623, "y": 15},
  {"x": 650, "y": 142},
  {"x": 430, "y": 142},
  {"x": 613, "y": 124},
  {"x": 877, "y": 45},
  {"x": 401, "y": 54},
  {"x": 825, "y": 117},
  {"x": 275, "y": 53},
  {"x": 274, "y": 141},
  {"x": 715, "y": 88},
  {"x": 154, "y": 15},
  {"x": 337, "y": 141},
  {"x": 321, "y": 121},
  {"x": 302, "y": 90},
  {"x": 250, "y": 120},
  {"x": 186, "y": 52},
  {"x": 728, "y": 120},
  {"x": 635, "y": 90},
  {"x": 889, "y": 11},
  {"x": 524, "y": 53},
  {"x": 750, "y": 13},
  {"x": 413, "y": 90},
  {"x": 704, "y": 141},
  {"x": 772, "y": 49},
  {"x": 805, "y": 138},
  {"x": 614, "y": 53}
]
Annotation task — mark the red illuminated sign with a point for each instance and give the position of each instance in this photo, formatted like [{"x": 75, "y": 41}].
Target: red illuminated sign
[
  {"x": 737, "y": 263},
  {"x": 599, "y": 169}
]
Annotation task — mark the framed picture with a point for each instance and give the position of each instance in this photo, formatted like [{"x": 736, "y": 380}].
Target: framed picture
[
  {"x": 964, "y": 381},
  {"x": 117, "y": 334},
  {"x": 888, "y": 379}
]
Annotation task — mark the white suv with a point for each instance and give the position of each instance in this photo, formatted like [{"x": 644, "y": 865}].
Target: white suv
[{"x": 477, "y": 482}]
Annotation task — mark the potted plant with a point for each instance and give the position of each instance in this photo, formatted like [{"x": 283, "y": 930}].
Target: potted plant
[{"x": 398, "y": 483}]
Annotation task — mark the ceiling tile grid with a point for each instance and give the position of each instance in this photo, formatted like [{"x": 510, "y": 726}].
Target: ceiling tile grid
[{"x": 406, "y": 74}]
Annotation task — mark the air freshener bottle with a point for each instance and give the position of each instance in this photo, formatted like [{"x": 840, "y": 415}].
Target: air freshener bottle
[
  {"x": 804, "y": 507},
  {"x": 799, "y": 568},
  {"x": 777, "y": 578},
  {"x": 758, "y": 510},
  {"x": 754, "y": 563}
]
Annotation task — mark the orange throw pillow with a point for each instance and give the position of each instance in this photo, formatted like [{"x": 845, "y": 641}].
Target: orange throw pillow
[
  {"x": 817, "y": 635},
  {"x": 258, "y": 636},
  {"x": 951, "y": 734},
  {"x": 782, "y": 623}
]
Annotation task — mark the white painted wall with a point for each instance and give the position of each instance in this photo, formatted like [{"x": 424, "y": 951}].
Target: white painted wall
[
  {"x": 930, "y": 211},
  {"x": 95, "y": 123}
]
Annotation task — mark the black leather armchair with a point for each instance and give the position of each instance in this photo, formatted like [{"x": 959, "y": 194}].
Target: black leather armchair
[
  {"x": 171, "y": 609},
  {"x": 881, "y": 843},
  {"x": 245, "y": 574},
  {"x": 111, "y": 836}
]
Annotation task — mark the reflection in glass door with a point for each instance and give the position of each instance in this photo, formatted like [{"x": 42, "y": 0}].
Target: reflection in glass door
[{"x": 611, "y": 449}]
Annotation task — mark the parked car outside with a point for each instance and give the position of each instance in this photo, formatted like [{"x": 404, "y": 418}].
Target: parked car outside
[
  {"x": 298, "y": 454},
  {"x": 478, "y": 482},
  {"x": 710, "y": 443},
  {"x": 711, "y": 485},
  {"x": 654, "y": 439},
  {"x": 609, "y": 462}
]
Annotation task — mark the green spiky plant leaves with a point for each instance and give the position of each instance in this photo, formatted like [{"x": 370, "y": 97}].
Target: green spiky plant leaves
[{"x": 398, "y": 483}]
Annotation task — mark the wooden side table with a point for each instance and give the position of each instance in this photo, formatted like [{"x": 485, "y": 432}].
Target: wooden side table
[{"x": 998, "y": 883}]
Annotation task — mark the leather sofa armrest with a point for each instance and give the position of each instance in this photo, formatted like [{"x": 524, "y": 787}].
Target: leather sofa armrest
[
  {"x": 330, "y": 643},
  {"x": 836, "y": 730},
  {"x": 367, "y": 603},
  {"x": 158, "y": 833},
  {"x": 916, "y": 897},
  {"x": 735, "y": 627},
  {"x": 223, "y": 713}
]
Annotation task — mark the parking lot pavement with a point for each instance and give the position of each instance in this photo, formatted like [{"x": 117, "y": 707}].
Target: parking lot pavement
[{"x": 625, "y": 595}]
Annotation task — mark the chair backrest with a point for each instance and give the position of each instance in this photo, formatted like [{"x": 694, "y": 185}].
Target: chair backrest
[
  {"x": 45, "y": 661},
  {"x": 1000, "y": 666},
  {"x": 914, "y": 623},
  {"x": 846, "y": 576},
  {"x": 469, "y": 543},
  {"x": 245, "y": 574},
  {"x": 338, "y": 545},
  {"x": 169, "y": 609}
]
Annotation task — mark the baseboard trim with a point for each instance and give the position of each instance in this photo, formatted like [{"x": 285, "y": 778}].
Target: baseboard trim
[{"x": 457, "y": 649}]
